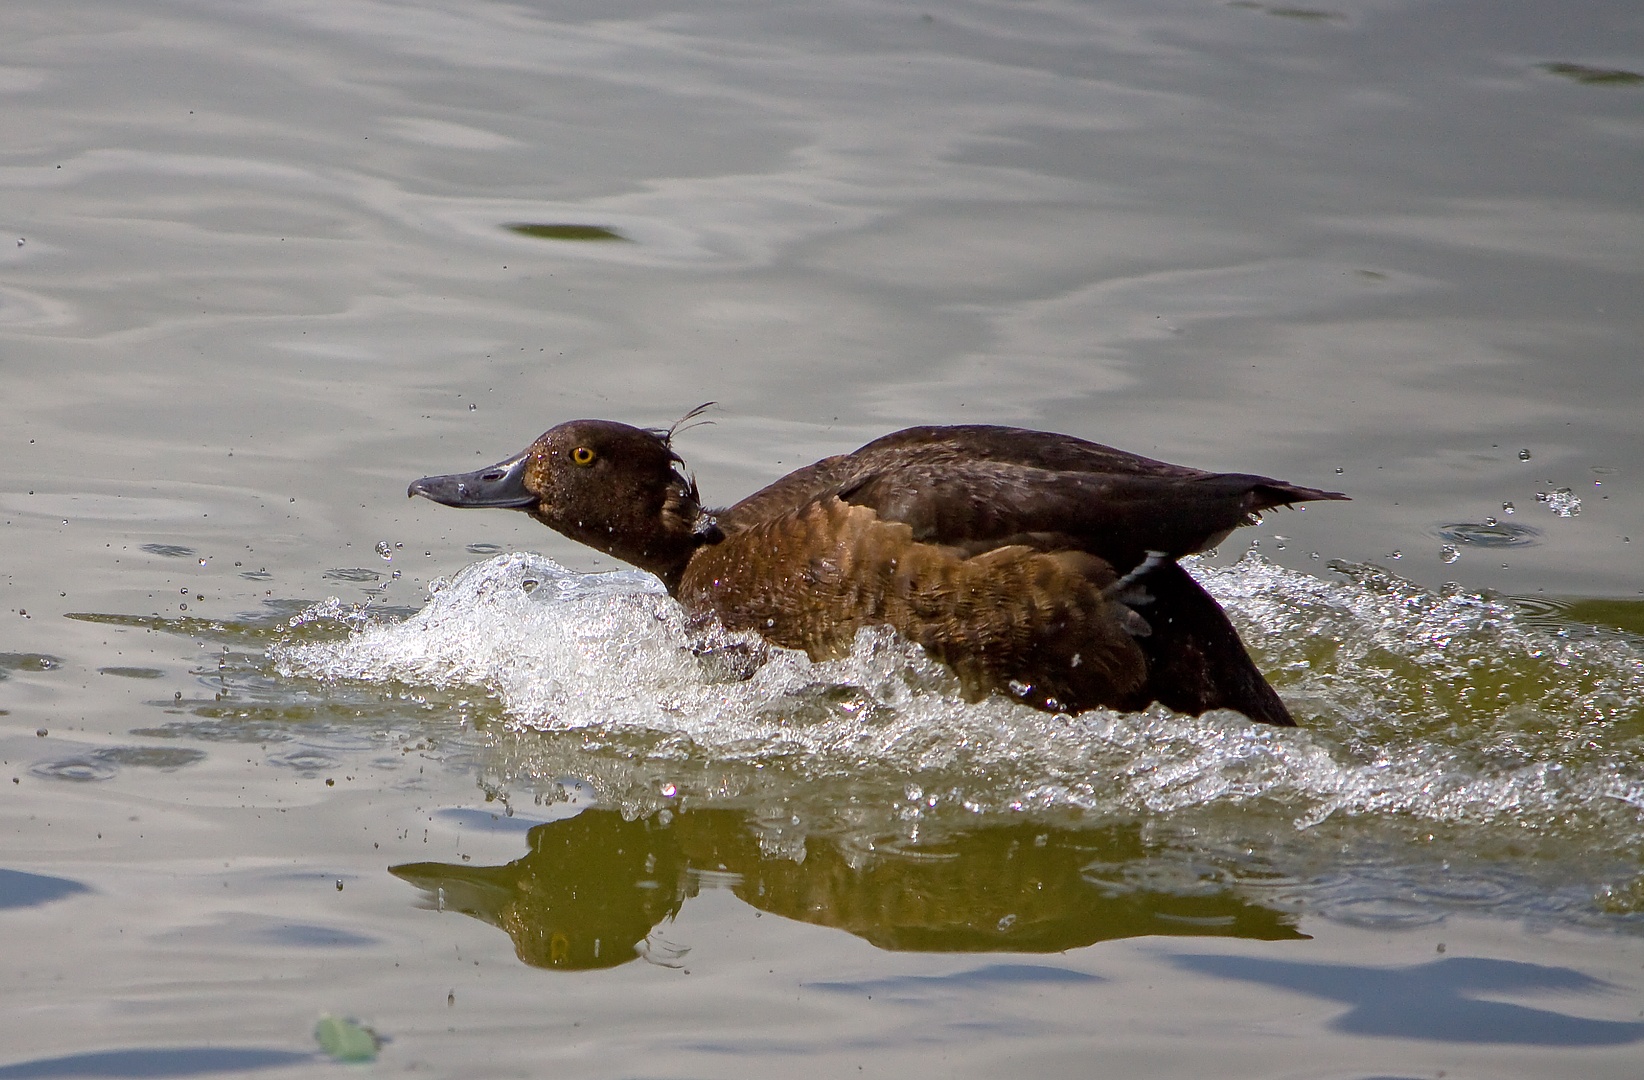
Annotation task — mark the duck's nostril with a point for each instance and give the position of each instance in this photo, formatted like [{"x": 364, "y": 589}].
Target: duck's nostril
[{"x": 494, "y": 475}]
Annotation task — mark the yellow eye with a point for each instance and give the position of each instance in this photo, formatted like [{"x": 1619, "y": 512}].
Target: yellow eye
[{"x": 583, "y": 456}]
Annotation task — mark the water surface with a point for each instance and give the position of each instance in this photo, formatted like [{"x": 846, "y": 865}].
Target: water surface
[{"x": 279, "y": 745}]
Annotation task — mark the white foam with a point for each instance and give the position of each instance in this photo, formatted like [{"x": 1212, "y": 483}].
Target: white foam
[{"x": 1443, "y": 706}]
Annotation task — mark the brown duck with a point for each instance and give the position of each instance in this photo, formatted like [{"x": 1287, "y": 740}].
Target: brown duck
[{"x": 1035, "y": 565}]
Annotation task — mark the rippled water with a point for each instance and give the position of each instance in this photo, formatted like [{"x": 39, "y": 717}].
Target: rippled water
[
  {"x": 1439, "y": 731},
  {"x": 261, "y": 265}
]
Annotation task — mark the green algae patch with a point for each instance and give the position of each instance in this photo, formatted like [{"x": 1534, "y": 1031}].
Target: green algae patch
[
  {"x": 567, "y": 231},
  {"x": 1594, "y": 76}
]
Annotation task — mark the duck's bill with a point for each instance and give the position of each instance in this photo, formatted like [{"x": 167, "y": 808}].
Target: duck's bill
[{"x": 502, "y": 484}]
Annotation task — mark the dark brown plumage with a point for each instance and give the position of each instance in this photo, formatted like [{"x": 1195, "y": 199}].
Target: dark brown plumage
[{"x": 1036, "y": 565}]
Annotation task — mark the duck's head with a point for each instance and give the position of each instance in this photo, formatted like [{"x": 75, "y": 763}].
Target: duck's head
[{"x": 616, "y": 488}]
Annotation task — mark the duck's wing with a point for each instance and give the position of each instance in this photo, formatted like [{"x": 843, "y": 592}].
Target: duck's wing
[
  {"x": 1195, "y": 660},
  {"x": 1042, "y": 627},
  {"x": 788, "y": 494},
  {"x": 1117, "y": 516},
  {"x": 1052, "y": 627}
]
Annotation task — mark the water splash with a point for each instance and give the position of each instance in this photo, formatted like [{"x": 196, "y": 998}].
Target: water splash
[
  {"x": 1442, "y": 707},
  {"x": 1561, "y": 501}
]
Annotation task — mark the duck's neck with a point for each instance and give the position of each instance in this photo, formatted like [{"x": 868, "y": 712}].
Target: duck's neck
[
  {"x": 658, "y": 533},
  {"x": 683, "y": 528}
]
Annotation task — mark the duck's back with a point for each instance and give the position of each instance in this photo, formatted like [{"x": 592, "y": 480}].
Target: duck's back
[
  {"x": 956, "y": 448},
  {"x": 979, "y": 485}
]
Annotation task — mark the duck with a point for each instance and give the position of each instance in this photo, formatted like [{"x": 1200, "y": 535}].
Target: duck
[{"x": 1034, "y": 565}]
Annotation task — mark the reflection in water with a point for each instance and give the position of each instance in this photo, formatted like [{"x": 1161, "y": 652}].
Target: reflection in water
[
  {"x": 1430, "y": 1001},
  {"x": 19, "y": 889},
  {"x": 586, "y": 895},
  {"x": 593, "y": 887},
  {"x": 1625, "y": 615},
  {"x": 157, "y": 1061}
]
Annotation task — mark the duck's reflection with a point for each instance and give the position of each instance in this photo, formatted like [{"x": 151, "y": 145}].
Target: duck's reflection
[{"x": 592, "y": 888}]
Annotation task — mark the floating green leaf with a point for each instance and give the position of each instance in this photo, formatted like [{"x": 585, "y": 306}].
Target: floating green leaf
[{"x": 346, "y": 1039}]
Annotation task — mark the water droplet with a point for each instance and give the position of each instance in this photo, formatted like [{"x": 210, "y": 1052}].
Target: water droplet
[
  {"x": 1492, "y": 522},
  {"x": 472, "y": 408},
  {"x": 1524, "y": 455},
  {"x": 385, "y": 549},
  {"x": 1395, "y": 555},
  {"x": 669, "y": 791},
  {"x": 1312, "y": 554},
  {"x": 41, "y": 732},
  {"x": 1561, "y": 501},
  {"x": 1508, "y": 508},
  {"x": 339, "y": 884},
  {"x": 182, "y": 607},
  {"x": 1006, "y": 923},
  {"x": 1448, "y": 554},
  {"x": 1340, "y": 470},
  {"x": 202, "y": 562}
]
